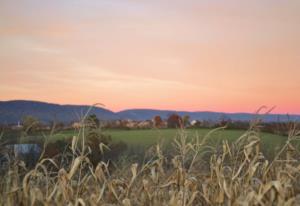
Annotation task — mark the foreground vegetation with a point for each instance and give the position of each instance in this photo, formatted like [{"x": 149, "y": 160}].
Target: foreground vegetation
[{"x": 193, "y": 172}]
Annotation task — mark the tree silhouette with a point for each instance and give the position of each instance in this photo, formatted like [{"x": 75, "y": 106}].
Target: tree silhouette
[
  {"x": 157, "y": 120},
  {"x": 92, "y": 121},
  {"x": 30, "y": 124},
  {"x": 175, "y": 121}
]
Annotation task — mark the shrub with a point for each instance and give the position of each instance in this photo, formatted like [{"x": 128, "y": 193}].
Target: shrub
[{"x": 30, "y": 124}]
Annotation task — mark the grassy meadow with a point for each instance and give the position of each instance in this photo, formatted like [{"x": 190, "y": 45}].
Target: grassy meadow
[
  {"x": 147, "y": 138},
  {"x": 139, "y": 140}
]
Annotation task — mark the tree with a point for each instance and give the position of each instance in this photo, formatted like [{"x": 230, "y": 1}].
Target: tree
[
  {"x": 92, "y": 121},
  {"x": 102, "y": 147},
  {"x": 30, "y": 124},
  {"x": 224, "y": 120},
  {"x": 157, "y": 121},
  {"x": 186, "y": 120},
  {"x": 175, "y": 121}
]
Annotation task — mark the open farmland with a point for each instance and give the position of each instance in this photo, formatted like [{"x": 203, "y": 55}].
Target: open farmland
[
  {"x": 147, "y": 138},
  {"x": 182, "y": 177},
  {"x": 139, "y": 140},
  {"x": 143, "y": 139}
]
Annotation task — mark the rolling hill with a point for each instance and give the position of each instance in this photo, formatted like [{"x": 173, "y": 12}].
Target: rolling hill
[{"x": 12, "y": 111}]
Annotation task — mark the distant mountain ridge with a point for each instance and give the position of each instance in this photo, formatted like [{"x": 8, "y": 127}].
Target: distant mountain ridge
[{"x": 12, "y": 111}]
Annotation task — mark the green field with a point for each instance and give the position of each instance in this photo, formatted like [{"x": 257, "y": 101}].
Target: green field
[
  {"x": 140, "y": 140},
  {"x": 143, "y": 139}
]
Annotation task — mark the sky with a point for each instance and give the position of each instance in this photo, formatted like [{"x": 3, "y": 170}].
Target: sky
[{"x": 204, "y": 55}]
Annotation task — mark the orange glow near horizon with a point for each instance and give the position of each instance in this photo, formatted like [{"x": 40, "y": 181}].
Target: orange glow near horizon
[{"x": 228, "y": 56}]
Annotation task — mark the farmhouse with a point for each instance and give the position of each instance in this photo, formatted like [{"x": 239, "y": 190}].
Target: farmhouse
[
  {"x": 131, "y": 124},
  {"x": 195, "y": 123},
  {"x": 77, "y": 125},
  {"x": 145, "y": 124}
]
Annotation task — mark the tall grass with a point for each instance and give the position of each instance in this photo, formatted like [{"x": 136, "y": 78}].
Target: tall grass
[{"x": 192, "y": 174}]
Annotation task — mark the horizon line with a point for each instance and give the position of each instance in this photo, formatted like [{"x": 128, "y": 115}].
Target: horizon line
[{"x": 159, "y": 109}]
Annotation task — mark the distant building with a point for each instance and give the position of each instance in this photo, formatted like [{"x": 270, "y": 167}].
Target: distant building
[
  {"x": 77, "y": 125},
  {"x": 17, "y": 127},
  {"x": 20, "y": 150},
  {"x": 145, "y": 124},
  {"x": 131, "y": 124},
  {"x": 195, "y": 123}
]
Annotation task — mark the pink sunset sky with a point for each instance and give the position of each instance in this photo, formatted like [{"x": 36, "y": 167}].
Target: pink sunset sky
[{"x": 229, "y": 56}]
